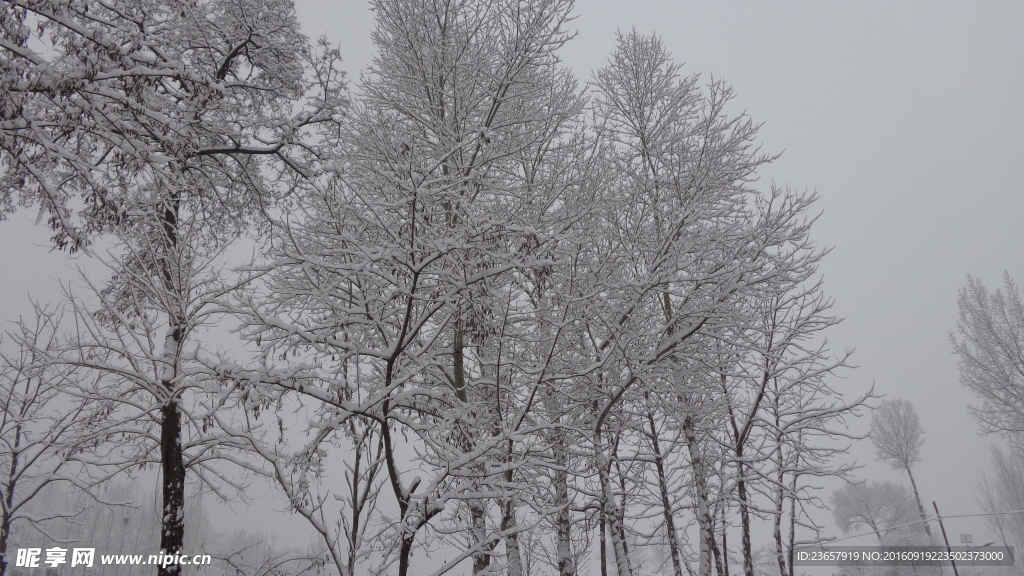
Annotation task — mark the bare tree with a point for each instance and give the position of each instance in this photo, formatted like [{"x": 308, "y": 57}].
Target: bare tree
[
  {"x": 688, "y": 255},
  {"x": 804, "y": 417},
  {"x": 664, "y": 442},
  {"x": 412, "y": 273},
  {"x": 1002, "y": 490},
  {"x": 43, "y": 429},
  {"x": 883, "y": 507},
  {"x": 988, "y": 342},
  {"x": 897, "y": 435},
  {"x": 667, "y": 254}
]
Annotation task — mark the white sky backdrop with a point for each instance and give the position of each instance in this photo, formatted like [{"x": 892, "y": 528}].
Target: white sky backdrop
[{"x": 908, "y": 118}]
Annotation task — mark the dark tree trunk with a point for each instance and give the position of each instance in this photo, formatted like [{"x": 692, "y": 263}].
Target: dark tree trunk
[
  {"x": 5, "y": 531},
  {"x": 920, "y": 508},
  {"x": 172, "y": 458},
  {"x": 609, "y": 503},
  {"x": 5, "y": 519},
  {"x": 721, "y": 553},
  {"x": 604, "y": 546},
  {"x": 666, "y": 501},
  {"x": 404, "y": 555},
  {"x": 172, "y": 533},
  {"x": 792, "y": 524},
  {"x": 741, "y": 489}
]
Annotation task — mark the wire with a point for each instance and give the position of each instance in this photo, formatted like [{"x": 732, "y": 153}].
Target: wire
[{"x": 928, "y": 519}]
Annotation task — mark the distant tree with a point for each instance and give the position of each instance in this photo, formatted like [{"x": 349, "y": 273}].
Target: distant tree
[
  {"x": 882, "y": 507},
  {"x": 989, "y": 344},
  {"x": 1002, "y": 490},
  {"x": 897, "y": 435},
  {"x": 250, "y": 554},
  {"x": 887, "y": 509}
]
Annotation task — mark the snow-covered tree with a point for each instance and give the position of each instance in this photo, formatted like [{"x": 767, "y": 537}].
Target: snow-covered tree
[
  {"x": 685, "y": 249},
  {"x": 498, "y": 313},
  {"x": 114, "y": 111},
  {"x": 43, "y": 430},
  {"x": 165, "y": 127},
  {"x": 988, "y": 343},
  {"x": 1002, "y": 490},
  {"x": 884, "y": 508},
  {"x": 785, "y": 419},
  {"x": 409, "y": 278},
  {"x": 898, "y": 436}
]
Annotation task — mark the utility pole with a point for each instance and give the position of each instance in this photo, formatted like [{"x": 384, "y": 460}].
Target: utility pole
[{"x": 943, "y": 528}]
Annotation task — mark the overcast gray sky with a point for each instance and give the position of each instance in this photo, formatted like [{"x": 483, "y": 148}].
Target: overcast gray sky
[{"x": 908, "y": 118}]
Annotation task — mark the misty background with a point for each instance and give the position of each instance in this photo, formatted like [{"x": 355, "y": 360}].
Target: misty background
[{"x": 906, "y": 118}]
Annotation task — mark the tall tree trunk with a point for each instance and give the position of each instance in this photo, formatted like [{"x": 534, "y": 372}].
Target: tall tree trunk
[
  {"x": 604, "y": 543},
  {"x": 362, "y": 491},
  {"x": 513, "y": 559},
  {"x": 5, "y": 514},
  {"x": 778, "y": 495},
  {"x": 622, "y": 490},
  {"x": 172, "y": 533},
  {"x": 705, "y": 524},
  {"x": 609, "y": 503},
  {"x": 920, "y": 508},
  {"x": 792, "y": 519},
  {"x": 172, "y": 457},
  {"x": 666, "y": 501},
  {"x": 741, "y": 491},
  {"x": 403, "y": 495},
  {"x": 779, "y": 490},
  {"x": 477, "y": 507},
  {"x": 721, "y": 567},
  {"x": 563, "y": 525}
]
